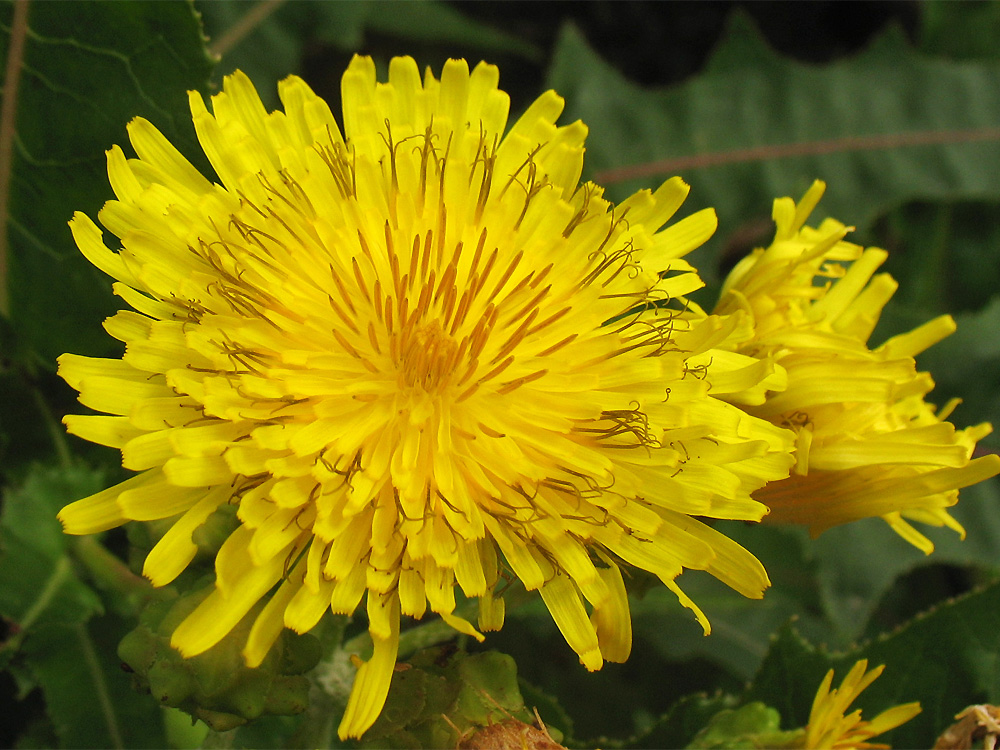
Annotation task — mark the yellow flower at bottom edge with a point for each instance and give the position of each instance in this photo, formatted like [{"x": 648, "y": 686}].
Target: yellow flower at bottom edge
[
  {"x": 832, "y": 728},
  {"x": 414, "y": 355},
  {"x": 867, "y": 444}
]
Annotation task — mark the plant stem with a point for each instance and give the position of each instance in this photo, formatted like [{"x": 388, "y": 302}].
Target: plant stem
[
  {"x": 54, "y": 429},
  {"x": 247, "y": 23},
  {"x": 8, "y": 129},
  {"x": 113, "y": 575}
]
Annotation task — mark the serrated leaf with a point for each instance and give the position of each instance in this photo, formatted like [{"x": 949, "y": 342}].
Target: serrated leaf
[
  {"x": 789, "y": 676},
  {"x": 489, "y": 688},
  {"x": 620, "y": 699},
  {"x": 947, "y": 659},
  {"x": 547, "y": 706},
  {"x": 750, "y": 98},
  {"x": 86, "y": 692},
  {"x": 752, "y": 725},
  {"x": 685, "y": 719},
  {"x": 88, "y": 69}
]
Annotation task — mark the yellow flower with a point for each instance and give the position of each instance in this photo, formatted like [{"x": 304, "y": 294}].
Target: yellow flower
[
  {"x": 830, "y": 728},
  {"x": 414, "y": 354},
  {"x": 867, "y": 444}
]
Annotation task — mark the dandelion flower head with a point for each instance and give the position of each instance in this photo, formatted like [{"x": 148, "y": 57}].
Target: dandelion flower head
[
  {"x": 867, "y": 443},
  {"x": 832, "y": 728},
  {"x": 416, "y": 353}
]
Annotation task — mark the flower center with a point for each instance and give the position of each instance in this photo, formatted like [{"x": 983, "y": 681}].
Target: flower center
[{"x": 426, "y": 356}]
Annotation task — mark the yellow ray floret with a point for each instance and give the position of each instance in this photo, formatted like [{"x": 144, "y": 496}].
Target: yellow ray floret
[
  {"x": 832, "y": 728},
  {"x": 415, "y": 354},
  {"x": 867, "y": 444}
]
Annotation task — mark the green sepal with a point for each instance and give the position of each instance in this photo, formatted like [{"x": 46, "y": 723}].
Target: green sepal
[
  {"x": 443, "y": 697},
  {"x": 217, "y": 687}
]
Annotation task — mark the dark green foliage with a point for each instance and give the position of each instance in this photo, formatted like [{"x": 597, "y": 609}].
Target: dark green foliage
[
  {"x": 59, "y": 638},
  {"x": 88, "y": 69},
  {"x": 946, "y": 659},
  {"x": 749, "y": 97}
]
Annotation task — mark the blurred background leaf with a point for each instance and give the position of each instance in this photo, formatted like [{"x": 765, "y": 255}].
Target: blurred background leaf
[
  {"x": 947, "y": 659},
  {"x": 734, "y": 124},
  {"x": 61, "y": 641},
  {"x": 88, "y": 69},
  {"x": 38, "y": 582}
]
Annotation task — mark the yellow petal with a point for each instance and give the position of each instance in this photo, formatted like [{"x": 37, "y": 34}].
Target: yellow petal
[
  {"x": 218, "y": 613},
  {"x": 157, "y": 498},
  {"x": 171, "y": 555},
  {"x": 307, "y": 607},
  {"x": 111, "y": 431},
  {"x": 270, "y": 622},
  {"x": 371, "y": 685},
  {"x": 154, "y": 148},
  {"x": 491, "y": 612},
  {"x": 88, "y": 238},
  {"x": 612, "y": 620},
  {"x": 563, "y": 602},
  {"x": 100, "y": 511}
]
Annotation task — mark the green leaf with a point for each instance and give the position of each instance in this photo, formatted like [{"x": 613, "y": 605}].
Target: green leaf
[
  {"x": 181, "y": 731},
  {"x": 685, "y": 719},
  {"x": 38, "y": 583},
  {"x": 547, "y": 706},
  {"x": 24, "y": 436},
  {"x": 947, "y": 658},
  {"x": 217, "y": 686},
  {"x": 946, "y": 257},
  {"x": 269, "y": 47},
  {"x": 67, "y": 652},
  {"x": 856, "y": 564},
  {"x": 86, "y": 692},
  {"x": 752, "y": 725},
  {"x": 790, "y": 675},
  {"x": 88, "y": 69},
  {"x": 750, "y": 100},
  {"x": 832, "y": 584},
  {"x": 37, "y": 734},
  {"x": 489, "y": 688},
  {"x": 960, "y": 31}
]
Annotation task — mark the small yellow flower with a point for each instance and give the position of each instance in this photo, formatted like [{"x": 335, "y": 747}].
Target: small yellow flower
[
  {"x": 831, "y": 728},
  {"x": 867, "y": 444},
  {"x": 414, "y": 355}
]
